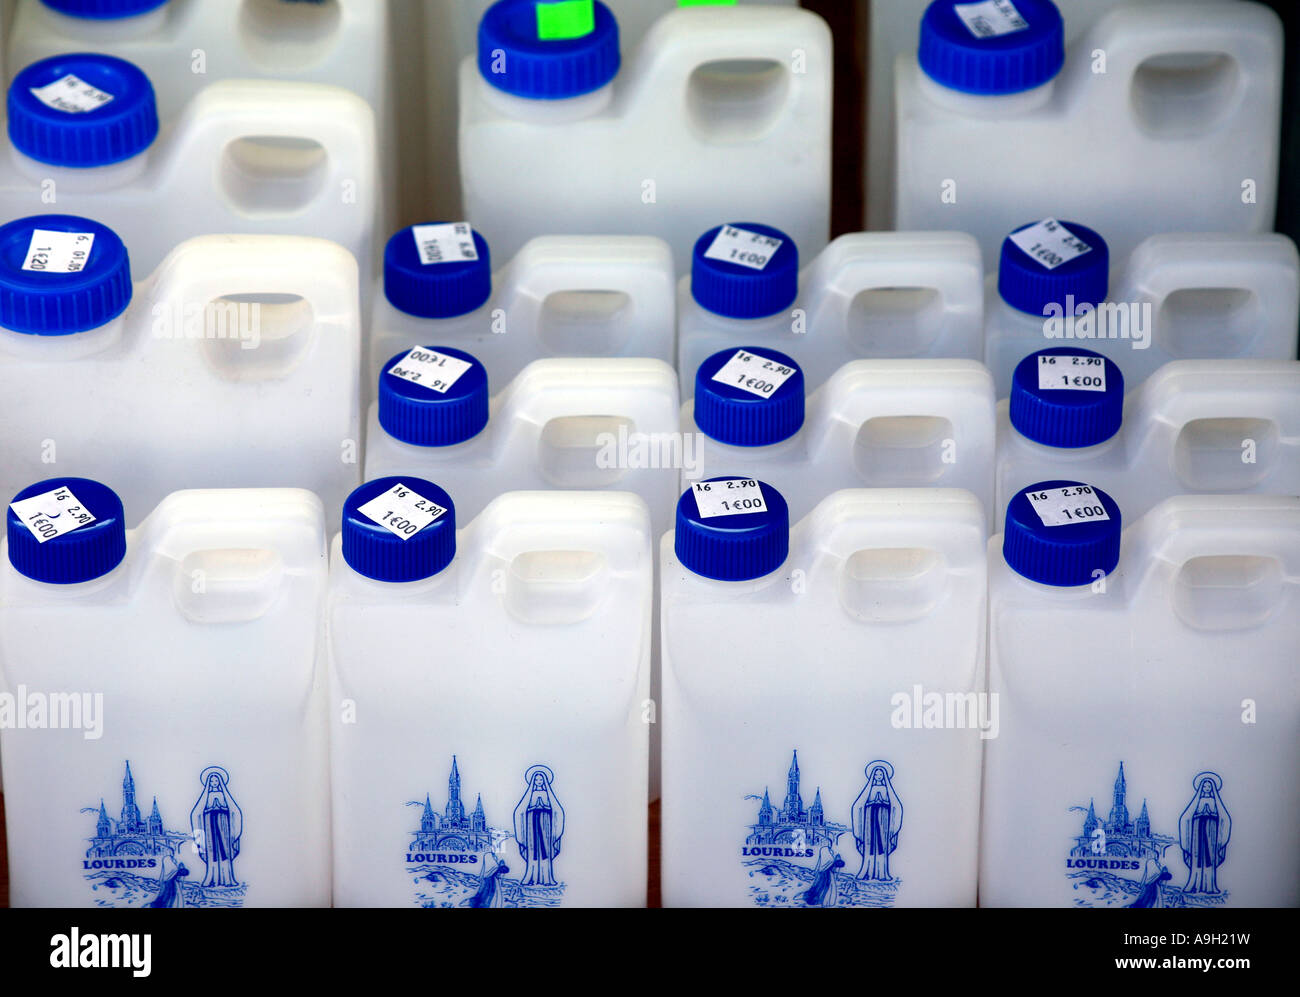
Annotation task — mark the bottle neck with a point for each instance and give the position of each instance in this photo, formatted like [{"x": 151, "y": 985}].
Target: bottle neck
[
  {"x": 972, "y": 105},
  {"x": 88, "y": 179},
  {"x": 100, "y": 30},
  {"x": 551, "y": 112},
  {"x": 71, "y": 346}
]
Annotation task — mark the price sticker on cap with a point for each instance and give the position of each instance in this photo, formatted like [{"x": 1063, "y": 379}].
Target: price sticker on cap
[
  {"x": 450, "y": 242},
  {"x": 743, "y": 247},
  {"x": 732, "y": 497},
  {"x": 757, "y": 375},
  {"x": 58, "y": 252},
  {"x": 1071, "y": 372},
  {"x": 990, "y": 18},
  {"x": 402, "y": 511},
  {"x": 1050, "y": 243},
  {"x": 430, "y": 369},
  {"x": 72, "y": 95},
  {"x": 1068, "y": 505},
  {"x": 52, "y": 514}
]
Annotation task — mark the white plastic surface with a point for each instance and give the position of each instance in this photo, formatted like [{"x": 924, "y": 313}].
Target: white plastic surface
[
  {"x": 722, "y": 113},
  {"x": 247, "y": 156},
  {"x": 1195, "y": 426},
  {"x": 189, "y": 387},
  {"x": 1178, "y": 296},
  {"x": 866, "y": 295},
  {"x": 561, "y": 296},
  {"x": 1185, "y": 113},
  {"x": 531, "y": 648},
  {"x": 203, "y": 643},
  {"x": 878, "y": 424},
  {"x": 1183, "y": 666},
  {"x": 882, "y": 596}
]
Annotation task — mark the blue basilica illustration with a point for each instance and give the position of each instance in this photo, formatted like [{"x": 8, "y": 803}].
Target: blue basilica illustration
[
  {"x": 135, "y": 861},
  {"x": 793, "y": 855},
  {"x": 1121, "y": 862},
  {"x": 457, "y": 859}
]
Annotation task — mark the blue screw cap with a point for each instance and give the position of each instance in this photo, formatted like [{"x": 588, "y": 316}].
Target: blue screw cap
[
  {"x": 424, "y": 547},
  {"x": 1029, "y": 285},
  {"x": 68, "y": 555},
  {"x": 1069, "y": 398},
  {"x": 435, "y": 290},
  {"x": 433, "y": 396},
  {"x": 744, "y": 289},
  {"x": 760, "y": 402},
  {"x": 995, "y": 56},
  {"x": 1061, "y": 533},
  {"x": 103, "y": 10},
  {"x": 52, "y": 301},
  {"x": 511, "y": 56},
  {"x": 114, "y": 130},
  {"x": 717, "y": 538}
]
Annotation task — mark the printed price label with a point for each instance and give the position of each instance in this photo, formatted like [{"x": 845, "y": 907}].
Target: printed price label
[
  {"x": 401, "y": 511},
  {"x": 1050, "y": 243},
  {"x": 58, "y": 252},
  {"x": 743, "y": 247},
  {"x": 429, "y": 369},
  {"x": 451, "y": 242},
  {"x": 734, "y": 497},
  {"x": 990, "y": 18},
  {"x": 71, "y": 94},
  {"x": 755, "y": 374},
  {"x": 1067, "y": 506},
  {"x": 52, "y": 514},
  {"x": 1071, "y": 372}
]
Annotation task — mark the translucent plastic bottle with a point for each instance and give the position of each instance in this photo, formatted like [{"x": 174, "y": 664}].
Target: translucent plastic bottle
[
  {"x": 560, "y": 296},
  {"x": 1178, "y": 296},
  {"x": 234, "y": 364},
  {"x": 721, "y": 112},
  {"x": 877, "y": 423},
  {"x": 1148, "y": 702},
  {"x": 165, "y": 744},
  {"x": 247, "y": 156},
  {"x": 1158, "y": 107},
  {"x": 489, "y": 736},
  {"x": 564, "y": 424},
  {"x": 866, "y": 295},
  {"x": 806, "y": 763},
  {"x": 1195, "y": 426}
]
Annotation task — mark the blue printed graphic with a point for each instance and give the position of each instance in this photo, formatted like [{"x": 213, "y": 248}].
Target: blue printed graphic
[
  {"x": 460, "y": 860},
  {"x": 793, "y": 856},
  {"x": 1122, "y": 863},
  {"x": 135, "y": 861}
]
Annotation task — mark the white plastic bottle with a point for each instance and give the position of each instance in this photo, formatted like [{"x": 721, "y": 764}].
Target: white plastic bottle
[
  {"x": 1178, "y": 296},
  {"x": 560, "y": 296},
  {"x": 586, "y": 424},
  {"x": 1158, "y": 107},
  {"x": 866, "y": 295},
  {"x": 1148, "y": 699},
  {"x": 182, "y": 380},
  {"x": 167, "y": 745},
  {"x": 247, "y": 156},
  {"x": 489, "y": 739},
  {"x": 1195, "y": 426},
  {"x": 805, "y": 760},
  {"x": 875, "y": 423},
  {"x": 722, "y": 112}
]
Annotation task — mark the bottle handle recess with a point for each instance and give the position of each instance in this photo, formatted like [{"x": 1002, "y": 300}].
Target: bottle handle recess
[
  {"x": 615, "y": 525},
  {"x": 296, "y": 118},
  {"x": 946, "y": 263},
  {"x": 1185, "y": 391},
  {"x": 686, "y": 39},
  {"x": 1261, "y": 271},
  {"x": 643, "y": 391},
  {"x": 1248, "y": 34},
  {"x": 287, "y": 521},
  {"x": 639, "y": 268}
]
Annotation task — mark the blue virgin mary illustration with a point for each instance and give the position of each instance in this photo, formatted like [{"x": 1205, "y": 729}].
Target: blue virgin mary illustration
[
  {"x": 217, "y": 824},
  {"x": 539, "y": 826},
  {"x": 877, "y": 819},
  {"x": 1203, "y": 832}
]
